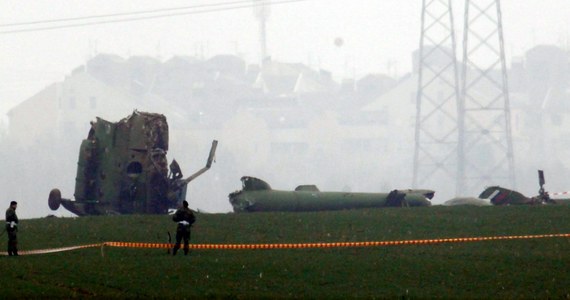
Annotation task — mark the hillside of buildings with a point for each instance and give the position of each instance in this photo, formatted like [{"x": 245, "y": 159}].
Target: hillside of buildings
[{"x": 287, "y": 123}]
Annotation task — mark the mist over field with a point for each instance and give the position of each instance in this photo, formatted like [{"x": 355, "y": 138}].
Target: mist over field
[{"x": 296, "y": 92}]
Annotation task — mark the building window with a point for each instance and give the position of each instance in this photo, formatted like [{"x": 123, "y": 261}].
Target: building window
[
  {"x": 93, "y": 102},
  {"x": 556, "y": 120},
  {"x": 289, "y": 148},
  {"x": 72, "y": 103},
  {"x": 68, "y": 127}
]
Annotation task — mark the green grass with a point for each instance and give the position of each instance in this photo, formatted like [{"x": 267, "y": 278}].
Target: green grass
[{"x": 489, "y": 269}]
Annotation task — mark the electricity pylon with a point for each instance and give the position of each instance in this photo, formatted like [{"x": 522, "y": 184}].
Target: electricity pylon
[
  {"x": 485, "y": 138},
  {"x": 436, "y": 131}
]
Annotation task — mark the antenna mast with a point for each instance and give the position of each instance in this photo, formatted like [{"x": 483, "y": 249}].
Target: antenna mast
[{"x": 261, "y": 11}]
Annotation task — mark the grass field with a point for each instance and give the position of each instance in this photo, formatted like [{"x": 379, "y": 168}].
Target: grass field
[{"x": 536, "y": 268}]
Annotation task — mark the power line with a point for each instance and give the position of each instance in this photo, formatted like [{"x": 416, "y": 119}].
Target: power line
[
  {"x": 228, "y": 6},
  {"x": 121, "y": 14}
]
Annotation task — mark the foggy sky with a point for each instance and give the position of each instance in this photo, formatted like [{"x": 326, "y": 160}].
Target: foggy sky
[{"x": 378, "y": 36}]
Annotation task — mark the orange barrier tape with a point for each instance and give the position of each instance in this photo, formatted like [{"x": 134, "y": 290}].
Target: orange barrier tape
[
  {"x": 371, "y": 244},
  {"x": 299, "y": 245},
  {"x": 54, "y": 250},
  {"x": 138, "y": 245}
]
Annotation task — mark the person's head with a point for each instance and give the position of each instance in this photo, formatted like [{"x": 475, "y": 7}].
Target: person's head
[
  {"x": 185, "y": 203},
  {"x": 13, "y": 204}
]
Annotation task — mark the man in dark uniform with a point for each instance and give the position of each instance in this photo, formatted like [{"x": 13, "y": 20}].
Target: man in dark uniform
[
  {"x": 185, "y": 218},
  {"x": 12, "y": 229}
]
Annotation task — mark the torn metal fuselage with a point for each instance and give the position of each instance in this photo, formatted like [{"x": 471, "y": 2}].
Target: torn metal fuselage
[
  {"x": 122, "y": 169},
  {"x": 257, "y": 195},
  {"x": 502, "y": 196},
  {"x": 497, "y": 195}
]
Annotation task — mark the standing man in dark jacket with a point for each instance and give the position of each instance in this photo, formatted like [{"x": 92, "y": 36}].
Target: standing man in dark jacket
[
  {"x": 12, "y": 229},
  {"x": 185, "y": 218}
]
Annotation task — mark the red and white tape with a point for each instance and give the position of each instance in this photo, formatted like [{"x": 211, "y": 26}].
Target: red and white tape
[
  {"x": 559, "y": 193},
  {"x": 53, "y": 250},
  {"x": 298, "y": 245}
]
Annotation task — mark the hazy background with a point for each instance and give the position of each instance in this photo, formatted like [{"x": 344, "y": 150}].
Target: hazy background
[{"x": 378, "y": 37}]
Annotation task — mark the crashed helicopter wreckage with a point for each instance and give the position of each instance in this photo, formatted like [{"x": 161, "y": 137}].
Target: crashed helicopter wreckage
[
  {"x": 122, "y": 169},
  {"x": 257, "y": 195},
  {"x": 496, "y": 195}
]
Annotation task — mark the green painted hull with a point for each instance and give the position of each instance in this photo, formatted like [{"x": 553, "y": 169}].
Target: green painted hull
[
  {"x": 122, "y": 169},
  {"x": 266, "y": 199}
]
